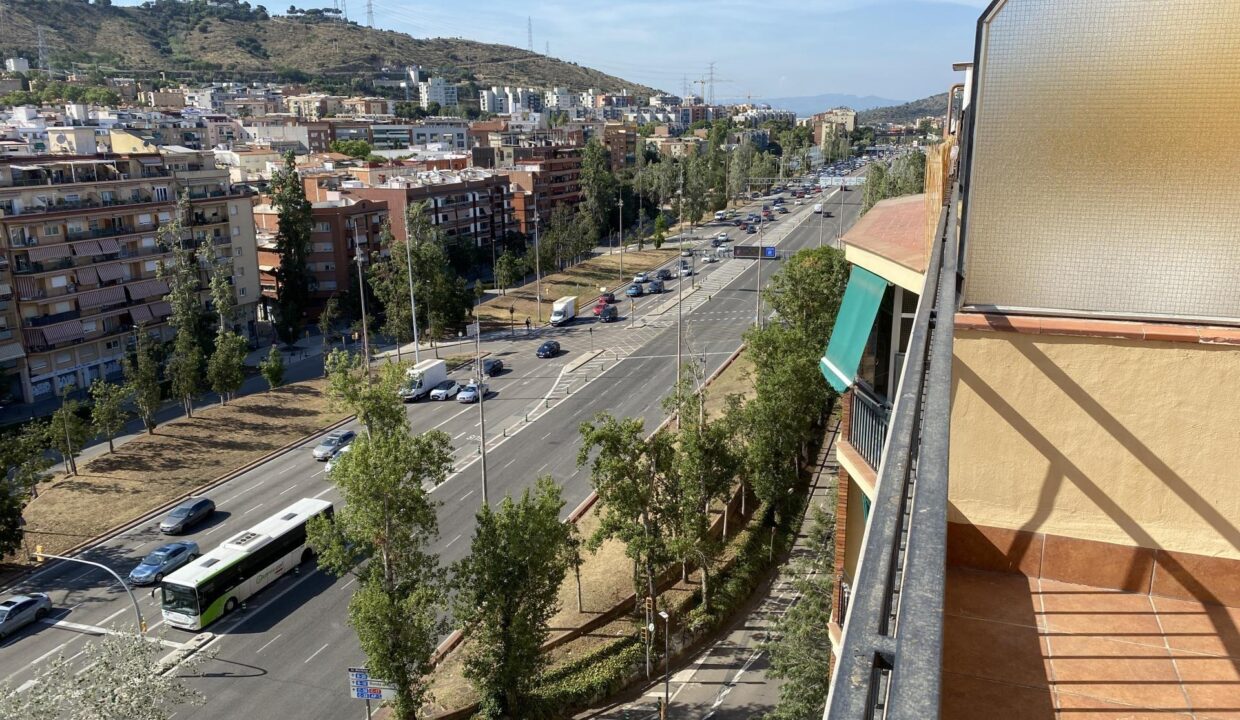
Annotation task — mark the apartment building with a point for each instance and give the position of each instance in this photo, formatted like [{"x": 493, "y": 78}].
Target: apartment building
[
  {"x": 543, "y": 178},
  {"x": 340, "y": 226},
  {"x": 620, "y": 139},
  {"x": 437, "y": 90},
  {"x": 80, "y": 254},
  {"x": 314, "y": 106},
  {"x": 1036, "y": 513}
]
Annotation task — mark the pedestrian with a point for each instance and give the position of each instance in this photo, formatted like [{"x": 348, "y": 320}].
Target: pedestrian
[{"x": 527, "y": 326}]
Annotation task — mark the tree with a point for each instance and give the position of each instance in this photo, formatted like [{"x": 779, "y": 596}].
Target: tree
[
  {"x": 142, "y": 379},
  {"x": 381, "y": 530},
  {"x": 359, "y": 149},
  {"x": 67, "y": 433},
  {"x": 508, "y": 270},
  {"x": 288, "y": 197},
  {"x": 107, "y": 412},
  {"x": 598, "y": 188},
  {"x": 389, "y": 278},
  {"x": 327, "y": 321},
  {"x": 24, "y": 457},
  {"x": 376, "y": 404},
  {"x": 807, "y": 291},
  {"x": 660, "y": 230},
  {"x": 185, "y": 366},
  {"x": 226, "y": 367},
  {"x": 507, "y": 589},
  {"x": 797, "y": 658},
  {"x": 695, "y": 185},
  {"x": 119, "y": 677},
  {"x": 272, "y": 368},
  {"x": 444, "y": 299}
]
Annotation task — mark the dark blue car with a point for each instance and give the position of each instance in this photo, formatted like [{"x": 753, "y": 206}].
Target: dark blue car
[{"x": 634, "y": 290}]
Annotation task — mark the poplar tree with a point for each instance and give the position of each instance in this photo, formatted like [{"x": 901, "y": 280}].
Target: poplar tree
[{"x": 288, "y": 197}]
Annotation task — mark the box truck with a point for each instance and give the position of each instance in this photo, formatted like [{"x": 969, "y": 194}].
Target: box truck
[
  {"x": 422, "y": 378},
  {"x": 563, "y": 310}
]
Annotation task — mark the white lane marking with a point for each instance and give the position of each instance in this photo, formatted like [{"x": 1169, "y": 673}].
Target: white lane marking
[
  {"x": 316, "y": 497},
  {"x": 471, "y": 492},
  {"x": 49, "y": 653},
  {"x": 351, "y": 581},
  {"x": 458, "y": 537},
  {"x": 79, "y": 576},
  {"x": 27, "y": 685},
  {"x": 319, "y": 472},
  {"x": 458, "y": 437},
  {"x": 239, "y": 494},
  {"x": 88, "y": 666},
  {"x": 264, "y": 647},
  {"x": 544, "y": 467},
  {"x": 113, "y": 615},
  {"x": 97, "y": 630},
  {"x": 316, "y": 652},
  {"x": 290, "y": 467},
  {"x": 450, "y": 419},
  {"x": 247, "y": 512},
  {"x": 217, "y": 527},
  {"x": 288, "y": 489}
]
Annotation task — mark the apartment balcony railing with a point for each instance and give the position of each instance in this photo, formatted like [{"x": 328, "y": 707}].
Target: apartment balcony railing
[
  {"x": 892, "y": 646},
  {"x": 42, "y": 320},
  {"x": 51, "y": 181},
  {"x": 6, "y": 334},
  {"x": 31, "y": 268},
  {"x": 867, "y": 429},
  {"x": 112, "y": 231}
]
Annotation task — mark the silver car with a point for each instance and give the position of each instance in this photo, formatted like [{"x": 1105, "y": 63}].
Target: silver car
[
  {"x": 446, "y": 390},
  {"x": 20, "y": 610},
  {"x": 161, "y": 561},
  {"x": 186, "y": 515},
  {"x": 332, "y": 443},
  {"x": 472, "y": 392}
]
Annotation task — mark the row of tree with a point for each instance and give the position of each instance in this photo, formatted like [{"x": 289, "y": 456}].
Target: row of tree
[{"x": 906, "y": 176}]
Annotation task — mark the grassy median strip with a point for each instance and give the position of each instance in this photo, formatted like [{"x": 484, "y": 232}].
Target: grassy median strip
[{"x": 151, "y": 470}]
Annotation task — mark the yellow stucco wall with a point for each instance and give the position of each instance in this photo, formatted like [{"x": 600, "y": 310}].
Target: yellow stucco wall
[
  {"x": 854, "y": 530},
  {"x": 1112, "y": 440}
]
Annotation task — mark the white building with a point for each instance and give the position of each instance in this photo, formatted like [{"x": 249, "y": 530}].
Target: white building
[
  {"x": 560, "y": 99},
  {"x": 492, "y": 101},
  {"x": 437, "y": 90},
  {"x": 17, "y": 65}
]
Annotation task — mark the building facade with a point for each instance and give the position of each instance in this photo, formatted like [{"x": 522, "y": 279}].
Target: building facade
[{"x": 543, "y": 178}]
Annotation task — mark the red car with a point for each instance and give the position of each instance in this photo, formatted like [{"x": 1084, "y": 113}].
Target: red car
[
  {"x": 606, "y": 298},
  {"x": 598, "y": 307}
]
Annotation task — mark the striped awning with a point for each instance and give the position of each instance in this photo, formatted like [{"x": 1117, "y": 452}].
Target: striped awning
[
  {"x": 108, "y": 273},
  {"x": 87, "y": 248},
  {"x": 6, "y": 290},
  {"x": 87, "y": 275},
  {"x": 11, "y": 351},
  {"x": 103, "y": 296},
  {"x": 140, "y": 313},
  {"x": 34, "y": 337},
  {"x": 108, "y": 246},
  {"x": 43, "y": 253},
  {"x": 27, "y": 288},
  {"x": 161, "y": 309},
  {"x": 144, "y": 289},
  {"x": 63, "y": 332}
]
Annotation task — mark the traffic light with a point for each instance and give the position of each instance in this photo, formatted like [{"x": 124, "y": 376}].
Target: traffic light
[
  {"x": 38, "y": 554},
  {"x": 649, "y": 605},
  {"x": 645, "y": 635}
]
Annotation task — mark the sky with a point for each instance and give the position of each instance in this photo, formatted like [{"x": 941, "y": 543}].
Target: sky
[{"x": 898, "y": 49}]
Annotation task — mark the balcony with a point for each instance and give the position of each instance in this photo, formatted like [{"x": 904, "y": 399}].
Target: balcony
[
  {"x": 111, "y": 231},
  {"x": 867, "y": 429},
  {"x": 33, "y": 268},
  {"x": 52, "y": 319}
]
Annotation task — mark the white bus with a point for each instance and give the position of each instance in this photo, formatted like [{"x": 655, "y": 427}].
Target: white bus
[{"x": 216, "y": 583}]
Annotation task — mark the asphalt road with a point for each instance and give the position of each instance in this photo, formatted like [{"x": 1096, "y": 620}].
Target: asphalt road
[{"x": 285, "y": 654}]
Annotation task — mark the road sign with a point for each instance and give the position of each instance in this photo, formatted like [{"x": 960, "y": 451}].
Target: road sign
[
  {"x": 750, "y": 252},
  {"x": 770, "y": 253},
  {"x": 837, "y": 180},
  {"x": 363, "y": 687}
]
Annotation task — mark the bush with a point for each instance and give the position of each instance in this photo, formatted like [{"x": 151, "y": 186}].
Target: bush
[{"x": 588, "y": 679}]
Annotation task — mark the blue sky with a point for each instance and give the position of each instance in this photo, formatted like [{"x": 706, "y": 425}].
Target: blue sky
[{"x": 900, "y": 49}]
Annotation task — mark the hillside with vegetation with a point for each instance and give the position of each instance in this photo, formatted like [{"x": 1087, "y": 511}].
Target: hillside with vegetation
[
  {"x": 230, "y": 39},
  {"x": 905, "y": 113}
]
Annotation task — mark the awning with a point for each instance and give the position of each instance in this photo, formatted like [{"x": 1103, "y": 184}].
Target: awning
[
  {"x": 151, "y": 160},
  {"x": 109, "y": 245},
  {"x": 852, "y": 328},
  {"x": 108, "y": 273},
  {"x": 140, "y": 314},
  {"x": 63, "y": 332},
  {"x": 87, "y": 275},
  {"x": 102, "y": 296},
  {"x": 27, "y": 288},
  {"x": 6, "y": 290},
  {"x": 87, "y": 248},
  {"x": 161, "y": 309},
  {"x": 11, "y": 351},
  {"x": 43, "y": 253},
  {"x": 147, "y": 288}
]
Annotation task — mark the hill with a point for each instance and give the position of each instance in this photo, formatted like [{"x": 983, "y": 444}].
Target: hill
[
  {"x": 807, "y": 105},
  {"x": 229, "y": 39},
  {"x": 906, "y": 113}
]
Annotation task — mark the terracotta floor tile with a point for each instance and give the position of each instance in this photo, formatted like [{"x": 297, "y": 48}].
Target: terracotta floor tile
[
  {"x": 1080, "y": 707},
  {"x": 1082, "y": 610},
  {"x": 1119, "y": 672},
  {"x": 970, "y": 698},
  {"x": 994, "y": 651},
  {"x": 1005, "y": 597},
  {"x": 1192, "y": 626},
  {"x": 1212, "y": 684}
]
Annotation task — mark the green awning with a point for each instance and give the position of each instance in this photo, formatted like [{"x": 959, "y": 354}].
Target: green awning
[{"x": 852, "y": 328}]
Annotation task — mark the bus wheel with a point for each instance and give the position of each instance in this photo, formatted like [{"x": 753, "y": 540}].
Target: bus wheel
[
  {"x": 230, "y": 605},
  {"x": 307, "y": 555}
]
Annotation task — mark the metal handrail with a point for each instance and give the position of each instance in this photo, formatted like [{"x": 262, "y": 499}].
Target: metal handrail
[{"x": 867, "y": 427}]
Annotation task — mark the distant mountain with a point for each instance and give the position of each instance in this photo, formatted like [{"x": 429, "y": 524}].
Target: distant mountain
[
  {"x": 230, "y": 39},
  {"x": 906, "y": 112},
  {"x": 807, "y": 105}
]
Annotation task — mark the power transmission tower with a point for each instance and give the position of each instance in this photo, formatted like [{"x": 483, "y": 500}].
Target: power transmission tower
[
  {"x": 43, "y": 53},
  {"x": 344, "y": 10},
  {"x": 547, "y": 48},
  {"x": 529, "y": 32},
  {"x": 711, "y": 100},
  {"x": 370, "y": 13},
  {"x": 684, "y": 87}
]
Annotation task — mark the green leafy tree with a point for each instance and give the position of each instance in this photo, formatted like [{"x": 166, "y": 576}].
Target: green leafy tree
[
  {"x": 508, "y": 270},
  {"x": 740, "y": 169},
  {"x": 67, "y": 433},
  {"x": 107, "y": 411},
  {"x": 327, "y": 321},
  {"x": 797, "y": 658},
  {"x": 288, "y": 197},
  {"x": 272, "y": 368},
  {"x": 226, "y": 366},
  {"x": 598, "y": 188},
  {"x": 25, "y": 459},
  {"x": 381, "y": 532},
  {"x": 660, "y": 230},
  {"x": 807, "y": 291},
  {"x": 443, "y": 299},
  {"x": 375, "y": 404},
  {"x": 389, "y": 278},
  {"x": 507, "y": 590},
  {"x": 186, "y": 364},
  {"x": 142, "y": 378},
  {"x": 695, "y": 198},
  {"x": 359, "y": 149}
]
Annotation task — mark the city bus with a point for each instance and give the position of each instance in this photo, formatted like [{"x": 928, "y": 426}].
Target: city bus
[{"x": 214, "y": 585}]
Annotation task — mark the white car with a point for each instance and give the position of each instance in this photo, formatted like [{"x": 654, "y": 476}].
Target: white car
[
  {"x": 709, "y": 258},
  {"x": 472, "y": 392},
  {"x": 686, "y": 271},
  {"x": 446, "y": 390},
  {"x": 641, "y": 277},
  {"x": 722, "y": 237},
  {"x": 335, "y": 459}
]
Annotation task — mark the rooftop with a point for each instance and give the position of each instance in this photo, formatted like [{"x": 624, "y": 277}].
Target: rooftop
[{"x": 894, "y": 229}]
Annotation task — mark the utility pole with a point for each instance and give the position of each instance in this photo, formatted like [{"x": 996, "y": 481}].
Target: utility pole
[
  {"x": 757, "y": 311},
  {"x": 547, "y": 48},
  {"x": 360, "y": 257},
  {"x": 482, "y": 416},
  {"x": 344, "y": 10},
  {"x": 711, "y": 75},
  {"x": 413, "y": 306},
  {"x": 537, "y": 263},
  {"x": 529, "y": 32},
  {"x": 620, "y": 230},
  {"x": 43, "y": 63},
  {"x": 370, "y": 13}
]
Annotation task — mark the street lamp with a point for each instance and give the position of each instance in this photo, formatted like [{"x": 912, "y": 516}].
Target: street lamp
[
  {"x": 413, "y": 306},
  {"x": 360, "y": 257},
  {"x": 667, "y": 660},
  {"x": 537, "y": 266},
  {"x": 620, "y": 231},
  {"x": 136, "y": 610},
  {"x": 482, "y": 396}
]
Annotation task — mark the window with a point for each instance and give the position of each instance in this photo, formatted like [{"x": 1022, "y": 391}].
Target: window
[
  {"x": 161, "y": 195},
  {"x": 151, "y": 265},
  {"x": 51, "y": 230},
  {"x": 241, "y": 292},
  {"x": 148, "y": 242},
  {"x": 64, "y": 358},
  {"x": 59, "y": 281},
  {"x": 144, "y": 219},
  {"x": 164, "y": 217},
  {"x": 112, "y": 345},
  {"x": 89, "y": 326},
  {"x": 241, "y": 272},
  {"x": 37, "y": 363},
  {"x": 236, "y": 231},
  {"x": 322, "y": 227},
  {"x": 237, "y": 251},
  {"x": 232, "y": 209},
  {"x": 62, "y": 307}
]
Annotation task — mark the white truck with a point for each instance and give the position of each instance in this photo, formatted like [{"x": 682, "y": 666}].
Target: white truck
[
  {"x": 817, "y": 208},
  {"x": 563, "y": 310},
  {"x": 422, "y": 378}
]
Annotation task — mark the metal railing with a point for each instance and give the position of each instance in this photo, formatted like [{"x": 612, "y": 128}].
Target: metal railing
[
  {"x": 891, "y": 651},
  {"x": 867, "y": 428}
]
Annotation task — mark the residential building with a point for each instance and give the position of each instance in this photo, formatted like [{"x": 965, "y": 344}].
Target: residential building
[
  {"x": 437, "y": 90},
  {"x": 248, "y": 164},
  {"x": 1035, "y": 510},
  {"x": 163, "y": 98},
  {"x": 340, "y": 226},
  {"x": 826, "y": 126},
  {"x": 620, "y": 139},
  {"x": 542, "y": 178},
  {"x": 80, "y": 256},
  {"x": 560, "y": 99},
  {"x": 369, "y": 106},
  {"x": 314, "y": 106}
]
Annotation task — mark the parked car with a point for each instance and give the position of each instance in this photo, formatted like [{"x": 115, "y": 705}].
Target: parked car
[
  {"x": 641, "y": 277},
  {"x": 655, "y": 287},
  {"x": 663, "y": 274},
  {"x": 610, "y": 313},
  {"x": 187, "y": 515},
  {"x": 634, "y": 290},
  {"x": 473, "y": 392},
  {"x": 492, "y": 367},
  {"x": 20, "y": 610},
  {"x": 549, "y": 349},
  {"x": 335, "y": 461},
  {"x": 333, "y": 442},
  {"x": 161, "y": 561},
  {"x": 607, "y": 297},
  {"x": 445, "y": 390}
]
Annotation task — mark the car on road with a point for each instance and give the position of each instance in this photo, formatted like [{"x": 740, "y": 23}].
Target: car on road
[
  {"x": 599, "y": 307},
  {"x": 473, "y": 392},
  {"x": 492, "y": 367},
  {"x": 445, "y": 390},
  {"x": 751, "y": 230},
  {"x": 722, "y": 237},
  {"x": 548, "y": 349},
  {"x": 634, "y": 290},
  {"x": 186, "y": 515},
  {"x": 610, "y": 313},
  {"x": 655, "y": 287},
  {"x": 709, "y": 258},
  {"x": 687, "y": 252},
  {"x": 715, "y": 242},
  {"x": 800, "y": 201},
  {"x": 330, "y": 444},
  {"x": 685, "y": 270},
  {"x": 607, "y": 297},
  {"x": 335, "y": 461},
  {"x": 641, "y": 277},
  {"x": 663, "y": 274},
  {"x": 161, "y": 561},
  {"x": 782, "y": 210},
  {"x": 738, "y": 222},
  {"x": 20, "y": 610}
]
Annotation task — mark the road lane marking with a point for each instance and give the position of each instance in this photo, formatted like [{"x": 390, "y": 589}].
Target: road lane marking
[
  {"x": 450, "y": 419},
  {"x": 239, "y": 494},
  {"x": 48, "y": 654},
  {"x": 247, "y": 512},
  {"x": 264, "y": 647},
  {"x": 27, "y": 685},
  {"x": 458, "y": 437},
  {"x": 351, "y": 581},
  {"x": 290, "y": 467},
  {"x": 113, "y": 615},
  {"x": 217, "y": 527},
  {"x": 319, "y": 472},
  {"x": 316, "y": 652},
  {"x": 458, "y": 537},
  {"x": 288, "y": 489},
  {"x": 316, "y": 497}
]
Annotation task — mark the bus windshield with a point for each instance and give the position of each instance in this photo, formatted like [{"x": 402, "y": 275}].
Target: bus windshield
[{"x": 180, "y": 599}]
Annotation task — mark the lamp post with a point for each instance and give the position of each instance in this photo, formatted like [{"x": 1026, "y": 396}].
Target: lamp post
[
  {"x": 482, "y": 416},
  {"x": 757, "y": 310},
  {"x": 413, "y": 306},
  {"x": 537, "y": 267},
  {"x": 620, "y": 232},
  {"x": 667, "y": 660},
  {"x": 137, "y": 611},
  {"x": 360, "y": 257}
]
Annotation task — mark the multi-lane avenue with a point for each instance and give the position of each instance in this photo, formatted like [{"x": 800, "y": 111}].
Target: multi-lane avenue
[{"x": 285, "y": 654}]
